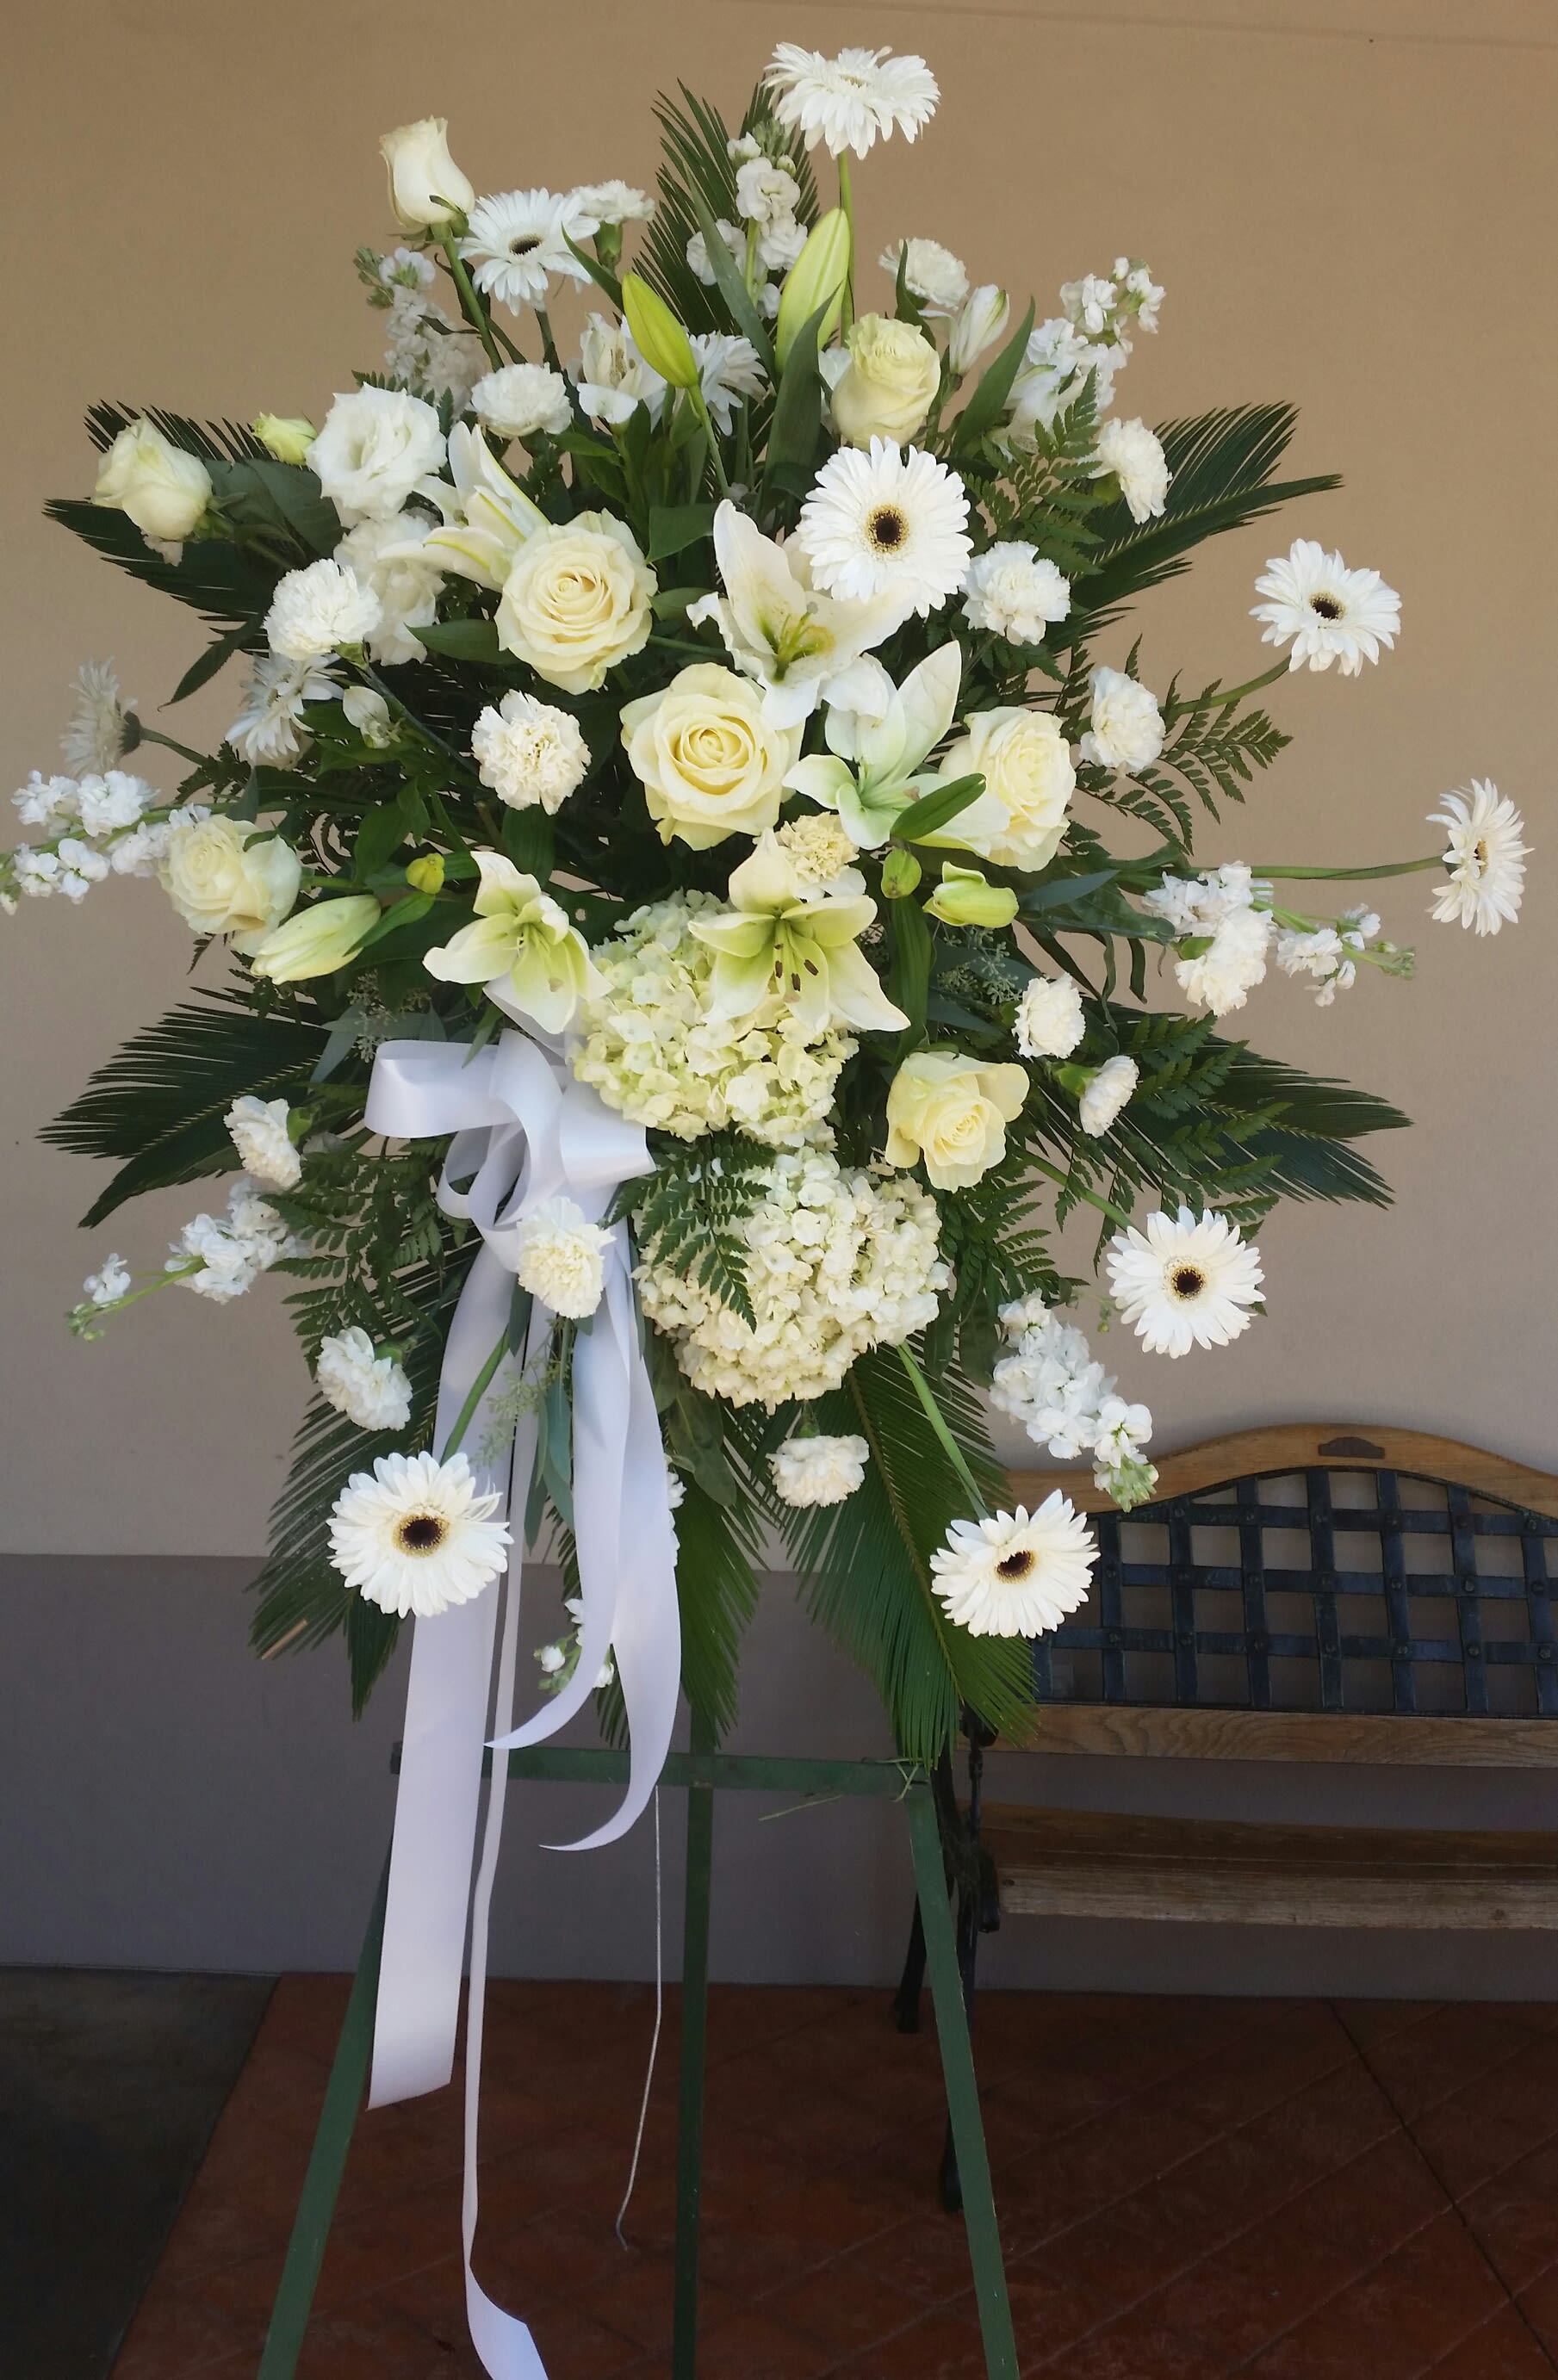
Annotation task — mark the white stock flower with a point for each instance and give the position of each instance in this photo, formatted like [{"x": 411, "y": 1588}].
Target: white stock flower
[
  {"x": 850, "y": 101},
  {"x": 1013, "y": 593},
  {"x": 219, "y": 1257},
  {"x": 1130, "y": 453},
  {"x": 1012, "y": 1574},
  {"x": 1183, "y": 1281},
  {"x": 521, "y": 400},
  {"x": 415, "y": 1537},
  {"x": 528, "y": 751},
  {"x": 886, "y": 522},
  {"x": 46, "y": 802},
  {"x": 81, "y": 867},
  {"x": 1049, "y": 1019},
  {"x": 1329, "y": 954},
  {"x": 766, "y": 191},
  {"x": 1485, "y": 858},
  {"x": 562, "y": 1257},
  {"x": 141, "y": 852},
  {"x": 837, "y": 1262},
  {"x": 1126, "y": 727},
  {"x": 931, "y": 273},
  {"x": 1050, "y": 1381},
  {"x": 269, "y": 730},
  {"x": 1107, "y": 1093},
  {"x": 93, "y": 741},
  {"x": 107, "y": 804},
  {"x": 594, "y": 203},
  {"x": 258, "y": 1129},
  {"x": 518, "y": 242},
  {"x": 377, "y": 448},
  {"x": 734, "y": 239},
  {"x": 1331, "y": 613},
  {"x": 36, "y": 872},
  {"x": 320, "y": 611},
  {"x": 370, "y": 1390},
  {"x": 728, "y": 369},
  {"x": 388, "y": 557},
  {"x": 109, "y": 1283},
  {"x": 1223, "y": 926},
  {"x": 808, "y": 1471}
]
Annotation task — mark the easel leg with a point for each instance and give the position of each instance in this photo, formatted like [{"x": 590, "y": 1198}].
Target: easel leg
[
  {"x": 962, "y": 2092},
  {"x": 689, "y": 2125},
  {"x": 338, "y": 2120}
]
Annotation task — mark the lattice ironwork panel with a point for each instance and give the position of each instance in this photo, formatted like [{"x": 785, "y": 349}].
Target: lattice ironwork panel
[{"x": 1329, "y": 1590}]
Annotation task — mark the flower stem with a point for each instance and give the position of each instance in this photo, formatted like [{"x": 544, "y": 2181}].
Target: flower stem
[
  {"x": 377, "y": 683},
  {"x": 846, "y": 201},
  {"x": 548, "y": 344},
  {"x": 479, "y": 1389},
  {"x": 696, "y": 399},
  {"x": 938, "y": 1423},
  {"x": 150, "y": 735},
  {"x": 1354, "y": 875},
  {"x": 1079, "y": 1190},
  {"x": 471, "y": 304},
  {"x": 1173, "y": 711}
]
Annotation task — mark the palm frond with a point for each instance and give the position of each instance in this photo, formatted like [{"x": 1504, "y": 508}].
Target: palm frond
[
  {"x": 695, "y": 140},
  {"x": 218, "y": 580},
  {"x": 213, "y": 442}
]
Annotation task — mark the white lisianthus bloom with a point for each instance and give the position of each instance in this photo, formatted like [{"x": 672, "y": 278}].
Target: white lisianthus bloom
[
  {"x": 1485, "y": 858},
  {"x": 377, "y": 448},
  {"x": 1183, "y": 1281},
  {"x": 612, "y": 376},
  {"x": 766, "y": 191},
  {"x": 109, "y": 1283},
  {"x": 1331, "y": 614},
  {"x": 809, "y": 1471},
  {"x": 415, "y": 1537},
  {"x": 886, "y": 523},
  {"x": 711, "y": 762},
  {"x": 576, "y": 600},
  {"x": 370, "y": 1389},
  {"x": 522, "y": 400},
  {"x": 47, "y": 802},
  {"x": 562, "y": 1257},
  {"x": 107, "y": 805},
  {"x": 269, "y": 730},
  {"x": 528, "y": 752},
  {"x": 888, "y": 384},
  {"x": 953, "y": 1112},
  {"x": 728, "y": 369},
  {"x": 981, "y": 317},
  {"x": 1107, "y": 1091},
  {"x": 1129, "y": 452},
  {"x": 320, "y": 611},
  {"x": 1015, "y": 1575},
  {"x": 391, "y": 558},
  {"x": 166, "y": 491},
  {"x": 517, "y": 243},
  {"x": 1126, "y": 727},
  {"x": 426, "y": 187},
  {"x": 94, "y": 740},
  {"x": 594, "y": 203},
  {"x": 1049, "y": 1021},
  {"x": 931, "y": 273},
  {"x": 259, "y": 1133},
  {"x": 520, "y": 946},
  {"x": 852, "y": 101},
  {"x": 1013, "y": 593},
  {"x": 1019, "y": 818},
  {"x": 224, "y": 876}
]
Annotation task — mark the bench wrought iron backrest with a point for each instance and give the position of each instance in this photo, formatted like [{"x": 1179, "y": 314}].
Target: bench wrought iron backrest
[{"x": 1305, "y": 1570}]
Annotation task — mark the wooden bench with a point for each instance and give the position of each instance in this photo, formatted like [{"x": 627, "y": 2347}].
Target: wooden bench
[{"x": 1306, "y": 1593}]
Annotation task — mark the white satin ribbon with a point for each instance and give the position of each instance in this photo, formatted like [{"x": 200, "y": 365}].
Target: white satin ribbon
[{"x": 524, "y": 1131}]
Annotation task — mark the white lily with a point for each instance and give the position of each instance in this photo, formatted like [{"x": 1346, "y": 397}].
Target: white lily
[
  {"x": 487, "y": 515},
  {"x": 780, "y": 942},
  {"x": 521, "y": 946},
  {"x": 800, "y": 645},
  {"x": 877, "y": 743}
]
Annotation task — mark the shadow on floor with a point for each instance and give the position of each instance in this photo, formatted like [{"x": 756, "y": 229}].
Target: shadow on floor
[{"x": 110, "y": 2087}]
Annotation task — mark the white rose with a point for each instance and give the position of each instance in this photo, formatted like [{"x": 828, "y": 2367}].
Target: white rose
[
  {"x": 426, "y": 187},
  {"x": 383, "y": 555},
  {"x": 522, "y": 400},
  {"x": 888, "y": 384},
  {"x": 221, "y": 880},
  {"x": 528, "y": 751},
  {"x": 709, "y": 762},
  {"x": 931, "y": 273},
  {"x": 376, "y": 448},
  {"x": 1024, "y": 760},
  {"x": 259, "y": 1133},
  {"x": 1012, "y": 593},
  {"x": 324, "y": 609},
  {"x": 165, "y": 492},
  {"x": 1127, "y": 727},
  {"x": 953, "y": 1112},
  {"x": 1129, "y": 450},
  {"x": 577, "y": 602}
]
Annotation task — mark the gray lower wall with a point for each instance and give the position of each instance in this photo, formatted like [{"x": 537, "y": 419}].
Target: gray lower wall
[{"x": 170, "y": 1802}]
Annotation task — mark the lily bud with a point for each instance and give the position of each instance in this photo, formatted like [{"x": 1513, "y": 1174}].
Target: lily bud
[
  {"x": 370, "y": 714},
  {"x": 817, "y": 277},
  {"x": 900, "y": 874},
  {"x": 165, "y": 492},
  {"x": 426, "y": 875},
  {"x": 981, "y": 319},
  {"x": 286, "y": 436},
  {"x": 657, "y": 334},
  {"x": 965, "y": 897},
  {"x": 426, "y": 187},
  {"x": 317, "y": 941}
]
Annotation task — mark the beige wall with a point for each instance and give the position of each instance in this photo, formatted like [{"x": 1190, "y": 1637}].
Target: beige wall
[{"x": 1349, "y": 206}]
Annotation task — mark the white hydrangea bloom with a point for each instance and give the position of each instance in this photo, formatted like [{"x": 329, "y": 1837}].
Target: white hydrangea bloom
[
  {"x": 562, "y": 1257},
  {"x": 837, "y": 1262},
  {"x": 650, "y": 1048},
  {"x": 528, "y": 751},
  {"x": 370, "y": 1389},
  {"x": 808, "y": 1471},
  {"x": 257, "y": 1128}
]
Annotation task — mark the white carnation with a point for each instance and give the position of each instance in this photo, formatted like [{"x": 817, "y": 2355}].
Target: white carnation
[
  {"x": 370, "y": 1390},
  {"x": 1127, "y": 727},
  {"x": 1013, "y": 593},
  {"x": 265, "y": 1149},
  {"x": 562, "y": 1257},
  {"x": 1133, "y": 455},
  {"x": 521, "y": 400},
  {"x": 1048, "y": 1020},
  {"x": 322, "y": 610},
  {"x": 1107, "y": 1092},
  {"x": 386, "y": 556},
  {"x": 594, "y": 203},
  {"x": 529, "y": 751},
  {"x": 931, "y": 273},
  {"x": 109, "y": 1283},
  {"x": 818, "y": 1470}
]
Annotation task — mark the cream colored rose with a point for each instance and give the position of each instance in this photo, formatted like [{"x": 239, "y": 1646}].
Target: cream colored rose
[
  {"x": 711, "y": 764},
  {"x": 426, "y": 187},
  {"x": 576, "y": 600},
  {"x": 164, "y": 490},
  {"x": 223, "y": 882},
  {"x": 1024, "y": 760},
  {"x": 888, "y": 384},
  {"x": 953, "y": 1112}
]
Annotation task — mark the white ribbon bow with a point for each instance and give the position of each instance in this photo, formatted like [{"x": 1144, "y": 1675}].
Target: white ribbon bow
[{"x": 524, "y": 1131}]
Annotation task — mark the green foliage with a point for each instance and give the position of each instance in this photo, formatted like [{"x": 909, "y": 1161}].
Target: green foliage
[
  {"x": 697, "y": 173},
  {"x": 689, "y": 1211},
  {"x": 1049, "y": 498}
]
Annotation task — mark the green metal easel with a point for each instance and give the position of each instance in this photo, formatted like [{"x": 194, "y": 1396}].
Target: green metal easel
[{"x": 701, "y": 1773}]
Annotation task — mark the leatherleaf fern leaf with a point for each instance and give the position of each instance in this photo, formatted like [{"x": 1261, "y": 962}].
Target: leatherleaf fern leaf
[
  {"x": 689, "y": 1212},
  {"x": 866, "y": 1563}
]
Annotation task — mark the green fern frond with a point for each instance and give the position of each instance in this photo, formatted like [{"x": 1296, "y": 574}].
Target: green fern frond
[{"x": 689, "y": 1213}]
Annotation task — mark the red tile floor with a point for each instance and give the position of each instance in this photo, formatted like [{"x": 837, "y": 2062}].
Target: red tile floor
[{"x": 1292, "y": 2190}]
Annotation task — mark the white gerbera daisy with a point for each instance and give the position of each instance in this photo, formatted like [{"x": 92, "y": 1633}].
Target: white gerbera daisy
[
  {"x": 1107, "y": 1091},
  {"x": 415, "y": 1537},
  {"x": 818, "y": 1470},
  {"x": 516, "y": 242},
  {"x": 1049, "y": 1021},
  {"x": 1486, "y": 858},
  {"x": 890, "y": 522},
  {"x": 1013, "y": 1575},
  {"x": 1331, "y": 613},
  {"x": 851, "y": 101},
  {"x": 94, "y": 741},
  {"x": 1185, "y": 1281}
]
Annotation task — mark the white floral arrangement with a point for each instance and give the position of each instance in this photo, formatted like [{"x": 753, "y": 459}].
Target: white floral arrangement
[{"x": 725, "y": 706}]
